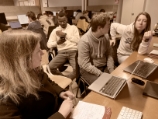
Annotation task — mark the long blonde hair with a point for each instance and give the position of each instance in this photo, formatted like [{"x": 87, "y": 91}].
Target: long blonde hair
[{"x": 16, "y": 77}]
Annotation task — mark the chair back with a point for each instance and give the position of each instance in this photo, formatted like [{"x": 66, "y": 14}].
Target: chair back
[
  {"x": 82, "y": 83},
  {"x": 50, "y": 29},
  {"x": 60, "y": 80},
  {"x": 83, "y": 25}
]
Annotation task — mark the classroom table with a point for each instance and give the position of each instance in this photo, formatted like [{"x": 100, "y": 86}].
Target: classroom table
[{"x": 131, "y": 96}]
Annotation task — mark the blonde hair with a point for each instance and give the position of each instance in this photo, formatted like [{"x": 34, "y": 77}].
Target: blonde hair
[
  {"x": 99, "y": 19},
  {"x": 16, "y": 77}
]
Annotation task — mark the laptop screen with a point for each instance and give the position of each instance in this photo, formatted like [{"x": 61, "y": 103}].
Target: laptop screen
[
  {"x": 23, "y": 19},
  {"x": 15, "y": 25}
]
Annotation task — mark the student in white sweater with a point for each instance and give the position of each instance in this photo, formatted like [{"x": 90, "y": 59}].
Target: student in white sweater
[
  {"x": 135, "y": 37},
  {"x": 65, "y": 37}
]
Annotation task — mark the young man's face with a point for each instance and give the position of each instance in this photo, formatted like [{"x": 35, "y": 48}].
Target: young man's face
[
  {"x": 62, "y": 21},
  {"x": 105, "y": 29}
]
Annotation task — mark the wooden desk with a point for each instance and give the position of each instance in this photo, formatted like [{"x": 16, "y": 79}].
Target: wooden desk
[{"x": 131, "y": 96}]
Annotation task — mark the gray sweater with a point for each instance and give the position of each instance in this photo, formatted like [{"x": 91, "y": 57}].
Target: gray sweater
[{"x": 96, "y": 49}]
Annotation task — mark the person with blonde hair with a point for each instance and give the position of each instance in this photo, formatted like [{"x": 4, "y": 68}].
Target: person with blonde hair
[
  {"x": 94, "y": 51},
  {"x": 26, "y": 92},
  {"x": 134, "y": 37}
]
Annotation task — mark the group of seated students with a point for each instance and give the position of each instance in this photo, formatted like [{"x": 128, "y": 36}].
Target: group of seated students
[{"x": 26, "y": 92}]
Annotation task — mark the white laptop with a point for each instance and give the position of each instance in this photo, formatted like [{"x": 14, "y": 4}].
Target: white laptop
[{"x": 108, "y": 85}]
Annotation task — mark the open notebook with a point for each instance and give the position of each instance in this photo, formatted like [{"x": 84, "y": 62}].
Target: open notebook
[
  {"x": 108, "y": 85},
  {"x": 85, "y": 110}
]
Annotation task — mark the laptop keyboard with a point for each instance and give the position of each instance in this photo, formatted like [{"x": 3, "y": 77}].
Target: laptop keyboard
[
  {"x": 112, "y": 85},
  {"x": 144, "y": 69}
]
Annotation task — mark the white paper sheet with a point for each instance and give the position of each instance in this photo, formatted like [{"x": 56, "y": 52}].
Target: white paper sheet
[
  {"x": 155, "y": 52},
  {"x": 23, "y": 19},
  {"x": 85, "y": 110}
]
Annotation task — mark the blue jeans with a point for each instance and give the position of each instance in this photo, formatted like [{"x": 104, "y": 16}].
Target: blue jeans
[{"x": 60, "y": 59}]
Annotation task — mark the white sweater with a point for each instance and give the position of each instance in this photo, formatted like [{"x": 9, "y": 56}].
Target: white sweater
[
  {"x": 72, "y": 38},
  {"x": 127, "y": 33}
]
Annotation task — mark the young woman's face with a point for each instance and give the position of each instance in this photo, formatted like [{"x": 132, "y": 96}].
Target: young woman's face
[
  {"x": 36, "y": 58},
  {"x": 141, "y": 23}
]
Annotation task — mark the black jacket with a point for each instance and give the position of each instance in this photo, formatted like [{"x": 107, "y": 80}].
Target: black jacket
[{"x": 32, "y": 108}]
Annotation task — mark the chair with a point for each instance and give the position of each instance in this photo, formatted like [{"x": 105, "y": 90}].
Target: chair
[
  {"x": 83, "y": 26},
  {"x": 50, "y": 29},
  {"x": 114, "y": 52},
  {"x": 60, "y": 80},
  {"x": 82, "y": 83}
]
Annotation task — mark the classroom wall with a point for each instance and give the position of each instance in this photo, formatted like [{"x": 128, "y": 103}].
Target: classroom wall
[
  {"x": 11, "y": 12},
  {"x": 6, "y": 2},
  {"x": 152, "y": 8},
  {"x": 93, "y": 5},
  {"x": 26, "y": 3},
  {"x": 61, "y": 3},
  {"x": 100, "y": 2}
]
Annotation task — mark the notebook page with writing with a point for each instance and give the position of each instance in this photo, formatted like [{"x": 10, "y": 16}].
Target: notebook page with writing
[{"x": 85, "y": 110}]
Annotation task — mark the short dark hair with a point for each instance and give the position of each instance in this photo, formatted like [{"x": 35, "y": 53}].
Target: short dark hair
[
  {"x": 99, "y": 19},
  {"x": 62, "y": 14},
  {"x": 49, "y": 13},
  {"x": 78, "y": 10},
  {"x": 39, "y": 15},
  {"x": 31, "y": 15},
  {"x": 102, "y": 10}
]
